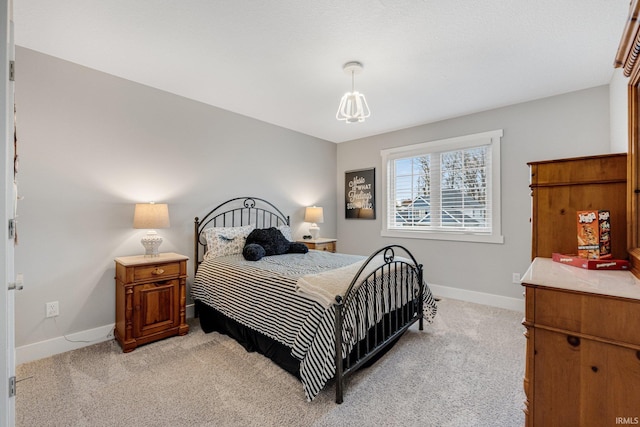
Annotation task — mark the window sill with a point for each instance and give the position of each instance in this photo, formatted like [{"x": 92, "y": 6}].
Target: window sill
[{"x": 452, "y": 236}]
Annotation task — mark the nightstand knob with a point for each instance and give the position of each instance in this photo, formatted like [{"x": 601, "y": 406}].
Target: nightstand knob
[{"x": 157, "y": 271}]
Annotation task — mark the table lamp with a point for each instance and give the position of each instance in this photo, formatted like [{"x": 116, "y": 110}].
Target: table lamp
[
  {"x": 314, "y": 215},
  {"x": 151, "y": 216}
]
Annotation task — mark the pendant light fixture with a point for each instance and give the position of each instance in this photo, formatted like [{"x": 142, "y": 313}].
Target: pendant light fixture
[{"x": 353, "y": 105}]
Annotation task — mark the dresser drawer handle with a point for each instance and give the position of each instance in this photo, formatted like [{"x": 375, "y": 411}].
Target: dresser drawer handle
[
  {"x": 157, "y": 271},
  {"x": 573, "y": 341}
]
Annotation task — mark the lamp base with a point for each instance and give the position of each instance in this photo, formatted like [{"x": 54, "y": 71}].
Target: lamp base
[
  {"x": 314, "y": 230},
  {"x": 151, "y": 242}
]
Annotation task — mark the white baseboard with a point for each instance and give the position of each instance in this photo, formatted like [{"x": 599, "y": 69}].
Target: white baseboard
[
  {"x": 42, "y": 349},
  {"x": 50, "y": 347},
  {"x": 509, "y": 303}
]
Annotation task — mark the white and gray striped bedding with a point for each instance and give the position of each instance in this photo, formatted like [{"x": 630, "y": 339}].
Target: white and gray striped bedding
[{"x": 261, "y": 295}]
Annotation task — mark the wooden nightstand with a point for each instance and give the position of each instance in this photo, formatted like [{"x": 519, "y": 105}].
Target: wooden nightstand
[
  {"x": 321, "y": 244},
  {"x": 150, "y": 298}
]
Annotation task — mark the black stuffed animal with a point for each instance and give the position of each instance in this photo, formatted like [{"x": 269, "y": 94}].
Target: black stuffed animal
[{"x": 269, "y": 241}]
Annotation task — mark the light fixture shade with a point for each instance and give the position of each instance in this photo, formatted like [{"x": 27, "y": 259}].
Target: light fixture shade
[
  {"x": 151, "y": 216},
  {"x": 314, "y": 214},
  {"x": 353, "y": 106}
]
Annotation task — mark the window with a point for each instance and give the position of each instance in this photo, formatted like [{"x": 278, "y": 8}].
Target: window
[{"x": 447, "y": 189}]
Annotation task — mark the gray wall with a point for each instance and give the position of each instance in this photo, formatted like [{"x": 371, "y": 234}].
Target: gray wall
[
  {"x": 92, "y": 145},
  {"x": 575, "y": 124}
]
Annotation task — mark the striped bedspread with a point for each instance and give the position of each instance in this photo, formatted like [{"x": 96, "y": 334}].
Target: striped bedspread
[{"x": 262, "y": 296}]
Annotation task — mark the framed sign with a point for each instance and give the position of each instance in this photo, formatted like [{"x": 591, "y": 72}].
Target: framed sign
[{"x": 360, "y": 194}]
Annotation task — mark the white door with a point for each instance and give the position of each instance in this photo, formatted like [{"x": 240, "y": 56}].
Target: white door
[{"x": 7, "y": 212}]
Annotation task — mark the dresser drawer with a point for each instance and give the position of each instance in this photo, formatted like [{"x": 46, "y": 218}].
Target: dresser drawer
[
  {"x": 606, "y": 317},
  {"x": 156, "y": 271}
]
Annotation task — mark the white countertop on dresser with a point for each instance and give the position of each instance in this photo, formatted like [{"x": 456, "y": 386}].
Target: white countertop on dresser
[{"x": 618, "y": 283}]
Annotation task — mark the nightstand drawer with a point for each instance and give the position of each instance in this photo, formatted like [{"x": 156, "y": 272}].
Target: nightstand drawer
[
  {"x": 329, "y": 246},
  {"x": 156, "y": 271}
]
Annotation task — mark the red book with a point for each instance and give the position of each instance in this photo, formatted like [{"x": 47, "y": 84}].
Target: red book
[{"x": 591, "y": 264}]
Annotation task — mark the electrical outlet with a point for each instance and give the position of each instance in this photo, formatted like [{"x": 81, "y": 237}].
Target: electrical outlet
[
  {"x": 515, "y": 278},
  {"x": 52, "y": 309}
]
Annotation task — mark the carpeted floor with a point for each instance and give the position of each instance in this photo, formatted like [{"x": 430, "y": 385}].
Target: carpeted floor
[{"x": 465, "y": 369}]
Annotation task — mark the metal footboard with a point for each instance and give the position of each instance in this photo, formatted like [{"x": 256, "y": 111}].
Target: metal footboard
[{"x": 393, "y": 292}]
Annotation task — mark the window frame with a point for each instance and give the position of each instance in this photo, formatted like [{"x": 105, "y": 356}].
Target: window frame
[{"x": 491, "y": 139}]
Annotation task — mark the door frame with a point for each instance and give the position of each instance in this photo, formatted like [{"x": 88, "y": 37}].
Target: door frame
[{"x": 8, "y": 196}]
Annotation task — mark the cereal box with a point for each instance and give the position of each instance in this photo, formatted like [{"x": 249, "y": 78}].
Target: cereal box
[{"x": 594, "y": 234}]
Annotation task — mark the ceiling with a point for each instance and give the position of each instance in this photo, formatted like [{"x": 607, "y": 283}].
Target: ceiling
[{"x": 280, "y": 61}]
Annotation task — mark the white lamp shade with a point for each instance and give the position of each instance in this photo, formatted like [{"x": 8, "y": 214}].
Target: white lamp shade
[
  {"x": 314, "y": 214},
  {"x": 151, "y": 216}
]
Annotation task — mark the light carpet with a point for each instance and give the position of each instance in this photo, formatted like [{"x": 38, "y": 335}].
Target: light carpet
[{"x": 465, "y": 369}]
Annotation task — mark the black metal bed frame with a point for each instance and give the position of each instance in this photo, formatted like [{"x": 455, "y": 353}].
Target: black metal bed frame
[
  {"x": 236, "y": 212},
  {"x": 403, "y": 277}
]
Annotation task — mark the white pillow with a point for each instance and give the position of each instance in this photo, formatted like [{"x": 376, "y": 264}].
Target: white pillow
[
  {"x": 223, "y": 241},
  {"x": 286, "y": 231}
]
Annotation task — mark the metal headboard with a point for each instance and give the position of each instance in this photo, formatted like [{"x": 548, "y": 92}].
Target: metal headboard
[{"x": 236, "y": 212}]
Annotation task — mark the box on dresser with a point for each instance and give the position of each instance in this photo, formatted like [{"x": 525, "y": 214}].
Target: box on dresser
[
  {"x": 594, "y": 234},
  {"x": 591, "y": 264}
]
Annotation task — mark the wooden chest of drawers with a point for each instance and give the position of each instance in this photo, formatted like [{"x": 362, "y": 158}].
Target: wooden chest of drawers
[
  {"x": 150, "y": 298},
  {"x": 583, "y": 346}
]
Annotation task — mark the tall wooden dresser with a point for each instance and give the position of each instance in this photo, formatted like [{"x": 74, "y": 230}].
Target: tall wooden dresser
[
  {"x": 582, "y": 326},
  {"x": 583, "y": 346},
  {"x": 561, "y": 187}
]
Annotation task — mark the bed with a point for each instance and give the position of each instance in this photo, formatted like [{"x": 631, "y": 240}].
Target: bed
[{"x": 318, "y": 315}]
